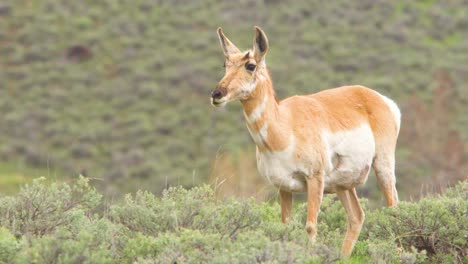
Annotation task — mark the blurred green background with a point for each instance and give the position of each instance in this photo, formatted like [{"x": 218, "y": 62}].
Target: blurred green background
[{"x": 119, "y": 90}]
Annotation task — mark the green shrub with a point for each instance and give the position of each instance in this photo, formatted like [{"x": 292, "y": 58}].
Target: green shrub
[
  {"x": 69, "y": 223},
  {"x": 180, "y": 208},
  {"x": 39, "y": 209},
  {"x": 8, "y": 245},
  {"x": 436, "y": 225},
  {"x": 93, "y": 242}
]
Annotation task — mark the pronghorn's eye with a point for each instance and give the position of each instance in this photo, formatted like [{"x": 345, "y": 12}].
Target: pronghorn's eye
[{"x": 250, "y": 66}]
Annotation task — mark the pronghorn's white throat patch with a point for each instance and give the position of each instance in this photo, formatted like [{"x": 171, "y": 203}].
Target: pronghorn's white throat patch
[
  {"x": 257, "y": 112},
  {"x": 259, "y": 137}
]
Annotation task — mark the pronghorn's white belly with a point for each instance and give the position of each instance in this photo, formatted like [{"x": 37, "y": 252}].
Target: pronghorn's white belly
[{"x": 349, "y": 156}]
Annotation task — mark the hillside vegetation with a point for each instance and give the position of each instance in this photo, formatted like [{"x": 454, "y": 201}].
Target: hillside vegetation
[
  {"x": 71, "y": 223},
  {"x": 118, "y": 90}
]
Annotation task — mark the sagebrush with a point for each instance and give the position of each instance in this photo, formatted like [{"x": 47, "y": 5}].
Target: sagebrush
[{"x": 68, "y": 223}]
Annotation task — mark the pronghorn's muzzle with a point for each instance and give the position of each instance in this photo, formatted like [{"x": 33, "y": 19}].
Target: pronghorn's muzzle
[{"x": 217, "y": 96}]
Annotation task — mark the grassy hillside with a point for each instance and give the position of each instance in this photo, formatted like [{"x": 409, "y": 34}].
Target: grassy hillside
[
  {"x": 118, "y": 90},
  {"x": 70, "y": 223}
]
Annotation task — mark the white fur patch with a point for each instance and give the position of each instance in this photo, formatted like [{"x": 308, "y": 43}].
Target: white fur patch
[
  {"x": 280, "y": 168},
  {"x": 260, "y": 137},
  {"x": 349, "y": 153},
  {"x": 246, "y": 88},
  {"x": 263, "y": 133},
  {"x": 257, "y": 112}
]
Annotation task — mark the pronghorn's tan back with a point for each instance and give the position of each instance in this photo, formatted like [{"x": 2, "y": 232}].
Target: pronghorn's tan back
[{"x": 345, "y": 108}]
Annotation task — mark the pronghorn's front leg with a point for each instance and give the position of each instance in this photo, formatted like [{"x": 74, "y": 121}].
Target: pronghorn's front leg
[
  {"x": 314, "y": 200},
  {"x": 286, "y": 205}
]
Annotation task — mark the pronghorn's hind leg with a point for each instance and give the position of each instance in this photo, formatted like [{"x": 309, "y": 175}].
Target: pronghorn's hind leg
[
  {"x": 355, "y": 216},
  {"x": 384, "y": 166}
]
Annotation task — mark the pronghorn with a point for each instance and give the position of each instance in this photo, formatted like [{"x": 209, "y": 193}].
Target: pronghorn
[{"x": 319, "y": 143}]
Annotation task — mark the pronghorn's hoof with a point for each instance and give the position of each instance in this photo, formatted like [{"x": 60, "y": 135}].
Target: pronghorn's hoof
[{"x": 312, "y": 231}]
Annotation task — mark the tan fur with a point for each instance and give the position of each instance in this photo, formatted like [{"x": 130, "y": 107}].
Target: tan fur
[
  {"x": 314, "y": 199},
  {"x": 292, "y": 135},
  {"x": 286, "y": 205},
  {"x": 355, "y": 216}
]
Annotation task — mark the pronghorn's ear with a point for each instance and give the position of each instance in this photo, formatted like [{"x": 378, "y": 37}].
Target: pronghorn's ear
[
  {"x": 260, "y": 47},
  {"x": 226, "y": 44}
]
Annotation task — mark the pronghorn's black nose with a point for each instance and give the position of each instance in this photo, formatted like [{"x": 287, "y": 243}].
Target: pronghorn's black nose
[{"x": 218, "y": 93}]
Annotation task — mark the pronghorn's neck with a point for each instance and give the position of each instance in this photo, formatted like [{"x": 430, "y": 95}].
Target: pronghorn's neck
[{"x": 263, "y": 117}]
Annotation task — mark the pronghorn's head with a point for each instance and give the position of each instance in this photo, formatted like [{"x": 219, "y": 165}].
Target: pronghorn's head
[{"x": 242, "y": 69}]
